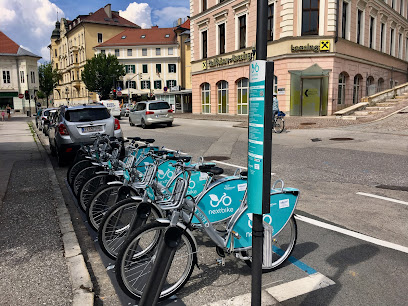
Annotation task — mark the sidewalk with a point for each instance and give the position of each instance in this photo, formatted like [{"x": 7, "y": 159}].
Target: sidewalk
[{"x": 34, "y": 267}]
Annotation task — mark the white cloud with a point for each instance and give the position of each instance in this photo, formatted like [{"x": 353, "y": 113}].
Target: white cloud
[
  {"x": 167, "y": 17},
  {"x": 45, "y": 53},
  {"x": 29, "y": 22},
  {"x": 139, "y": 13}
]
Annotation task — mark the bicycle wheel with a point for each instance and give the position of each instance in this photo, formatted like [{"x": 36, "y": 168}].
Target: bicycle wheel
[
  {"x": 87, "y": 190},
  {"x": 76, "y": 168},
  {"x": 279, "y": 125},
  {"x": 82, "y": 176},
  {"x": 103, "y": 199},
  {"x": 114, "y": 227},
  {"x": 282, "y": 246},
  {"x": 137, "y": 257}
]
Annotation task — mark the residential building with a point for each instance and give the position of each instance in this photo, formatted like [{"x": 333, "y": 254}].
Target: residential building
[
  {"x": 155, "y": 62},
  {"x": 19, "y": 73},
  {"x": 327, "y": 54},
  {"x": 72, "y": 43}
]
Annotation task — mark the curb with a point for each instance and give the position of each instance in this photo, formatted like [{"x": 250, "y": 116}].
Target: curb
[{"x": 82, "y": 287}]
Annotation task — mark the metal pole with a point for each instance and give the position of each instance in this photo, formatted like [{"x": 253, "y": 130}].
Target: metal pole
[{"x": 257, "y": 227}]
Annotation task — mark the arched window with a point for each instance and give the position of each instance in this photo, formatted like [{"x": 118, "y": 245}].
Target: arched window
[
  {"x": 342, "y": 89},
  {"x": 380, "y": 85},
  {"x": 357, "y": 88},
  {"x": 205, "y": 98},
  {"x": 222, "y": 97},
  {"x": 370, "y": 86},
  {"x": 310, "y": 17},
  {"x": 243, "y": 96}
]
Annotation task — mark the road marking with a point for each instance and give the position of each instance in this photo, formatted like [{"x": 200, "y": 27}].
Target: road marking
[
  {"x": 300, "y": 286},
  {"x": 382, "y": 198},
  {"x": 232, "y": 165},
  {"x": 334, "y": 228}
]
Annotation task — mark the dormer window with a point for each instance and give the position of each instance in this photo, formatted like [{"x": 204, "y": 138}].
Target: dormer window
[
  {"x": 143, "y": 36},
  {"x": 124, "y": 36},
  {"x": 167, "y": 35}
]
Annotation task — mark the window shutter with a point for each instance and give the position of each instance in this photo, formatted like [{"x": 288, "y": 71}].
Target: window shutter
[{"x": 133, "y": 69}]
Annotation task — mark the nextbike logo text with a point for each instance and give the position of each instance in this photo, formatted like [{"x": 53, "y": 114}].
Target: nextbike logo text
[{"x": 221, "y": 211}]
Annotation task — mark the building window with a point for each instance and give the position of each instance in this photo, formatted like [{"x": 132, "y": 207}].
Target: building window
[
  {"x": 356, "y": 88},
  {"x": 271, "y": 9},
  {"x": 144, "y": 52},
  {"x": 203, "y": 5},
  {"x": 131, "y": 84},
  {"x": 144, "y": 68},
  {"x": 221, "y": 33},
  {"x": 401, "y": 6},
  {"x": 242, "y": 31},
  {"x": 22, "y": 76},
  {"x": 172, "y": 68},
  {"x": 400, "y": 46},
  {"x": 372, "y": 27},
  {"x": 129, "y": 52},
  {"x": 359, "y": 27},
  {"x": 55, "y": 52},
  {"x": 100, "y": 38},
  {"x": 392, "y": 3},
  {"x": 275, "y": 84},
  {"x": 170, "y": 51},
  {"x": 382, "y": 38},
  {"x": 158, "y": 51},
  {"x": 370, "y": 88},
  {"x": 158, "y": 68},
  {"x": 171, "y": 83},
  {"x": 157, "y": 84},
  {"x": 392, "y": 42},
  {"x": 342, "y": 88},
  {"x": 117, "y": 52},
  {"x": 32, "y": 77},
  {"x": 103, "y": 51},
  {"x": 145, "y": 84},
  {"x": 130, "y": 68},
  {"x": 205, "y": 98},
  {"x": 204, "y": 44},
  {"x": 243, "y": 96},
  {"x": 6, "y": 77},
  {"x": 222, "y": 97},
  {"x": 310, "y": 17}
]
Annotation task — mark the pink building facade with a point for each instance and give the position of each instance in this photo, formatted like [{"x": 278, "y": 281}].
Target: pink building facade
[{"x": 327, "y": 54}]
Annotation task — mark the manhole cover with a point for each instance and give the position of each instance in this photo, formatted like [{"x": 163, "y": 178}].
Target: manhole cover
[
  {"x": 219, "y": 158},
  {"x": 392, "y": 187},
  {"x": 341, "y": 139},
  {"x": 307, "y": 123}
]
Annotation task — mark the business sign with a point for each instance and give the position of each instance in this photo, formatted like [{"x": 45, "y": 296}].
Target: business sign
[
  {"x": 256, "y": 135},
  {"x": 225, "y": 61},
  {"x": 323, "y": 46}
]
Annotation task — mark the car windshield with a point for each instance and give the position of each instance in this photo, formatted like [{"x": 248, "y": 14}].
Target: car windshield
[
  {"x": 87, "y": 114},
  {"x": 159, "y": 105}
]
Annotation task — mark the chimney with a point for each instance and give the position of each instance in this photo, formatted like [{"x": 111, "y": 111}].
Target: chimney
[
  {"x": 155, "y": 27},
  {"x": 179, "y": 21},
  {"x": 108, "y": 10}
]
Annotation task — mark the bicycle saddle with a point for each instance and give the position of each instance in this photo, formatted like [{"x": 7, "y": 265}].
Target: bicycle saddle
[
  {"x": 211, "y": 169},
  {"x": 148, "y": 140},
  {"x": 244, "y": 173}
]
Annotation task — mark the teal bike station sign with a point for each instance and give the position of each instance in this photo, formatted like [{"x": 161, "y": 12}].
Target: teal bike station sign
[{"x": 256, "y": 127}]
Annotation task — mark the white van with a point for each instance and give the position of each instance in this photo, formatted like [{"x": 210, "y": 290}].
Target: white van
[{"x": 113, "y": 106}]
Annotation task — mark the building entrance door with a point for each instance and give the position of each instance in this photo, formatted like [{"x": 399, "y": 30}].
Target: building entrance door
[{"x": 311, "y": 97}]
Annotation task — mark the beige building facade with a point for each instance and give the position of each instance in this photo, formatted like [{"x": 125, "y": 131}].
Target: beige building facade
[
  {"x": 72, "y": 43},
  {"x": 327, "y": 54}
]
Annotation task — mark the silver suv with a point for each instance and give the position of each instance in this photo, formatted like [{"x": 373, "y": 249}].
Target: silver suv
[
  {"x": 151, "y": 112},
  {"x": 73, "y": 126}
]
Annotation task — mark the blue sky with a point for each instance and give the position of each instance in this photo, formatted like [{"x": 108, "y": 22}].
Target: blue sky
[{"x": 30, "y": 22}]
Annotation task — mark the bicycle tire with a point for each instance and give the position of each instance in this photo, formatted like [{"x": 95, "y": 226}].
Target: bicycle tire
[
  {"x": 279, "y": 125},
  {"x": 82, "y": 177},
  {"x": 137, "y": 256},
  {"x": 282, "y": 249},
  {"x": 103, "y": 199},
  {"x": 114, "y": 227},
  {"x": 75, "y": 168},
  {"x": 87, "y": 190}
]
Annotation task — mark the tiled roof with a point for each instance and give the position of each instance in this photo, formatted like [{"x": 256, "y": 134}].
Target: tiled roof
[
  {"x": 100, "y": 16},
  {"x": 186, "y": 24},
  {"x": 7, "y": 45},
  {"x": 153, "y": 36}
]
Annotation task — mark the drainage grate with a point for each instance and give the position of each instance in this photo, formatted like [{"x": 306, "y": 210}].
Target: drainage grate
[
  {"x": 219, "y": 158},
  {"x": 341, "y": 139},
  {"x": 307, "y": 123},
  {"x": 392, "y": 187}
]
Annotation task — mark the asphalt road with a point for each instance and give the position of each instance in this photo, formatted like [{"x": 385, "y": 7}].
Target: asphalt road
[{"x": 353, "y": 214}]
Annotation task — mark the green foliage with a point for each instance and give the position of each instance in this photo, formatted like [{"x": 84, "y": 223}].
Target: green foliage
[
  {"x": 48, "y": 78},
  {"x": 41, "y": 95},
  {"x": 101, "y": 72}
]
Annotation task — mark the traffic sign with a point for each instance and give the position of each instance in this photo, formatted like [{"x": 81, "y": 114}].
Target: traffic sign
[
  {"x": 119, "y": 89},
  {"x": 21, "y": 96},
  {"x": 165, "y": 88},
  {"x": 119, "y": 94}
]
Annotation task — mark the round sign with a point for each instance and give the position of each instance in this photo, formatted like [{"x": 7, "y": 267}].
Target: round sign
[
  {"x": 119, "y": 94},
  {"x": 165, "y": 88},
  {"x": 20, "y": 96}
]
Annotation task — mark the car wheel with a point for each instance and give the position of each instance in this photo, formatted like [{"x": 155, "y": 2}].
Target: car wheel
[
  {"x": 169, "y": 123},
  {"x": 131, "y": 122},
  {"x": 143, "y": 124},
  {"x": 52, "y": 149}
]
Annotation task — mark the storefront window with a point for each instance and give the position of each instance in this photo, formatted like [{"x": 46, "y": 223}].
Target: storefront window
[
  {"x": 222, "y": 97},
  {"x": 356, "y": 88},
  {"x": 243, "y": 97},
  {"x": 205, "y": 98},
  {"x": 342, "y": 89}
]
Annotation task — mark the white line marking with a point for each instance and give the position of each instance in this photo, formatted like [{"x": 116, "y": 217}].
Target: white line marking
[
  {"x": 300, "y": 286},
  {"x": 232, "y": 165},
  {"x": 382, "y": 198},
  {"x": 376, "y": 241}
]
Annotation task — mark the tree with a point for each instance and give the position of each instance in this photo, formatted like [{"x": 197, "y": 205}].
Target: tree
[
  {"x": 49, "y": 78},
  {"x": 101, "y": 72}
]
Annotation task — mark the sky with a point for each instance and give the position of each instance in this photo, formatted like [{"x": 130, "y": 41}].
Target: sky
[{"x": 29, "y": 23}]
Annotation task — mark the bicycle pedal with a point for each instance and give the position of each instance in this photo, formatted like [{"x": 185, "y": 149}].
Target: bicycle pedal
[{"x": 221, "y": 261}]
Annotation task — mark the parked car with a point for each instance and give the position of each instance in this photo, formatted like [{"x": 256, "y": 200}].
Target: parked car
[
  {"x": 151, "y": 112},
  {"x": 43, "y": 120},
  {"x": 113, "y": 106},
  {"x": 74, "y": 126},
  {"x": 125, "y": 110},
  {"x": 46, "y": 124}
]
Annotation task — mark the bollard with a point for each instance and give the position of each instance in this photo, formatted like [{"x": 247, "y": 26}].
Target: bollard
[
  {"x": 165, "y": 255},
  {"x": 139, "y": 219}
]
